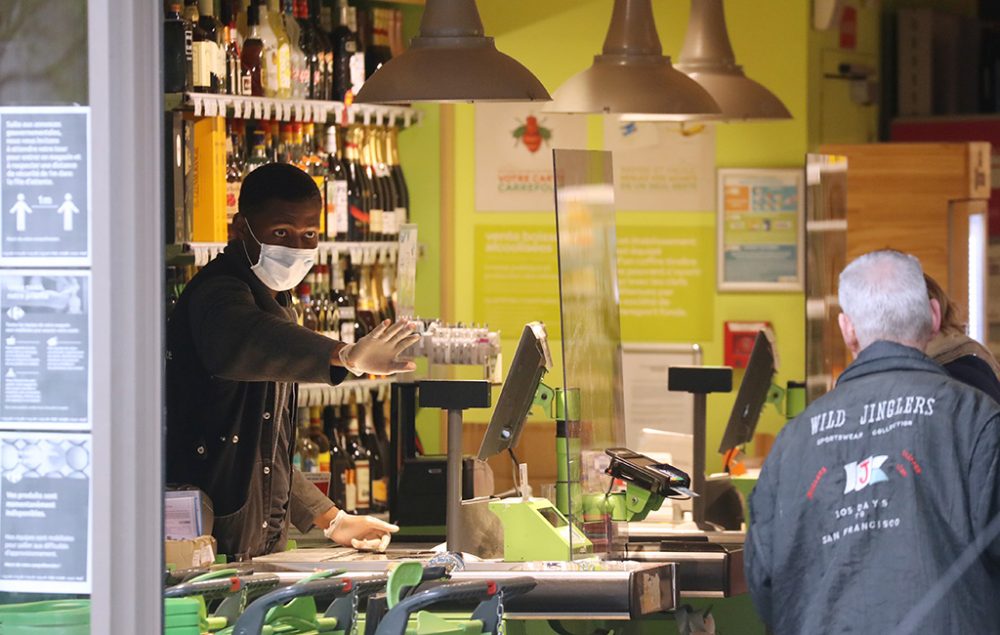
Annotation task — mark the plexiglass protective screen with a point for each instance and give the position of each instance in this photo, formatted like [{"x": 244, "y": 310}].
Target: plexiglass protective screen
[{"x": 591, "y": 338}]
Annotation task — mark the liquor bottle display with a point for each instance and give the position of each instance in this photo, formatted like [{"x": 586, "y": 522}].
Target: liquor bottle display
[
  {"x": 293, "y": 50},
  {"x": 308, "y": 48}
]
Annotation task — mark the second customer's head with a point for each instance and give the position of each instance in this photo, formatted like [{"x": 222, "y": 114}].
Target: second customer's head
[{"x": 883, "y": 296}]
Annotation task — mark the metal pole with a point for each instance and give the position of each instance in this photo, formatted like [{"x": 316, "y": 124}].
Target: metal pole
[
  {"x": 698, "y": 472},
  {"x": 454, "y": 504}
]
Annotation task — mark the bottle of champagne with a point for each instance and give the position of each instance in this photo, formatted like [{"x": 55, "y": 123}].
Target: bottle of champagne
[
  {"x": 359, "y": 196},
  {"x": 177, "y": 51},
  {"x": 361, "y": 457},
  {"x": 392, "y": 198},
  {"x": 378, "y": 195},
  {"x": 402, "y": 214}
]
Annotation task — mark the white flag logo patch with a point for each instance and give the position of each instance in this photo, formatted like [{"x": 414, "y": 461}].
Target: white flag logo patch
[{"x": 861, "y": 474}]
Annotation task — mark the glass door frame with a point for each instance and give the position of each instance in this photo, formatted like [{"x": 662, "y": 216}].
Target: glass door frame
[{"x": 125, "y": 85}]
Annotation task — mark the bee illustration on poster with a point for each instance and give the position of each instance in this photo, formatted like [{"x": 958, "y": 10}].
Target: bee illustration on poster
[{"x": 514, "y": 144}]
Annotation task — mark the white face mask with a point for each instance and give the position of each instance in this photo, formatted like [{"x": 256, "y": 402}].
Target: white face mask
[{"x": 281, "y": 268}]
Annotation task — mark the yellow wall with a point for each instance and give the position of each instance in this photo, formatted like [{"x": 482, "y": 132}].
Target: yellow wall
[{"x": 559, "y": 40}]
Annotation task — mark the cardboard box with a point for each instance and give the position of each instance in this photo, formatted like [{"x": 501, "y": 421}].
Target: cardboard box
[
  {"x": 209, "y": 218},
  {"x": 188, "y": 554}
]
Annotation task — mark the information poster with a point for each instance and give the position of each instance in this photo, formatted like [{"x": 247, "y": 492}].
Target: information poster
[
  {"x": 45, "y": 349},
  {"x": 662, "y": 276},
  {"x": 45, "y": 187},
  {"x": 514, "y": 144},
  {"x": 760, "y": 230},
  {"x": 45, "y": 490},
  {"x": 662, "y": 166},
  {"x": 516, "y": 279}
]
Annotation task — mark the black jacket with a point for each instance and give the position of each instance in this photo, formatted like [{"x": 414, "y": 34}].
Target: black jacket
[
  {"x": 228, "y": 340},
  {"x": 870, "y": 495}
]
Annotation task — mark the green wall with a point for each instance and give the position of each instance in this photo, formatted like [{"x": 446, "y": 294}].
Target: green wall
[{"x": 560, "y": 40}]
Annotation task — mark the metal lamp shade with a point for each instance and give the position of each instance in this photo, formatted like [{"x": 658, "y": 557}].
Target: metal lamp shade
[
  {"x": 707, "y": 57},
  {"x": 451, "y": 61},
  {"x": 632, "y": 77}
]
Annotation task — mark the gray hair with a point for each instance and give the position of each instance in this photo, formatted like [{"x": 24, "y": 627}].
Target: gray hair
[{"x": 885, "y": 296}]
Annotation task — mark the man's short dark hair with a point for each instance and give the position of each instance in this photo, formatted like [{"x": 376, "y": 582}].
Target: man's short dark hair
[{"x": 279, "y": 182}]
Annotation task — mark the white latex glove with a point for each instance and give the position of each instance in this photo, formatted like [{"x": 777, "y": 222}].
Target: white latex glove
[
  {"x": 378, "y": 352},
  {"x": 364, "y": 533}
]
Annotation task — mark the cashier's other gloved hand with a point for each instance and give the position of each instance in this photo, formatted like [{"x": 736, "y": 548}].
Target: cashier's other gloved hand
[
  {"x": 378, "y": 352},
  {"x": 364, "y": 533}
]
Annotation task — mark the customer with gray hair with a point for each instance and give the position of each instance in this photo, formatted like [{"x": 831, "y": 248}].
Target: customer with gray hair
[
  {"x": 878, "y": 509},
  {"x": 883, "y": 296}
]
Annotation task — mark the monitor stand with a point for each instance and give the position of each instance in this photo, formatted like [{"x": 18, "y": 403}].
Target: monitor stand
[
  {"x": 699, "y": 381},
  {"x": 455, "y": 396}
]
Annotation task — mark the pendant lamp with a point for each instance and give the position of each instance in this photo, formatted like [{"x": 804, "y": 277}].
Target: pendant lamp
[
  {"x": 632, "y": 77},
  {"x": 707, "y": 57},
  {"x": 451, "y": 61}
]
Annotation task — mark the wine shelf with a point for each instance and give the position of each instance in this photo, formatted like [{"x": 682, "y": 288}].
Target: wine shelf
[
  {"x": 243, "y": 107},
  {"x": 360, "y": 253}
]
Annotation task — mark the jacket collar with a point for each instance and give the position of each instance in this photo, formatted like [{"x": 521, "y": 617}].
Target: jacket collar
[{"x": 883, "y": 355}]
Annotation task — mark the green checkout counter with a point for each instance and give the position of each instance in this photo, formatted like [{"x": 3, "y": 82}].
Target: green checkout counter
[{"x": 635, "y": 577}]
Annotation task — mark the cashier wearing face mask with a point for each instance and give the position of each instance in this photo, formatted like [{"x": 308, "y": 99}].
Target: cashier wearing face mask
[{"x": 234, "y": 357}]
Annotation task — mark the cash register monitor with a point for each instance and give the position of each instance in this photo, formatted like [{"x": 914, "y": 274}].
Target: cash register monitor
[
  {"x": 531, "y": 361},
  {"x": 752, "y": 395}
]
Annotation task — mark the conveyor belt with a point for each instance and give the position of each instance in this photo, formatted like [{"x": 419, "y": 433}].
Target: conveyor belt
[{"x": 628, "y": 591}]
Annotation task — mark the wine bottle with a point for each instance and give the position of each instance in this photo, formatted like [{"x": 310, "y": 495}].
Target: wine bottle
[
  {"x": 340, "y": 464},
  {"x": 252, "y": 57},
  {"x": 337, "y": 215},
  {"x": 361, "y": 457},
  {"x": 177, "y": 51},
  {"x": 346, "y": 55},
  {"x": 377, "y": 463},
  {"x": 351, "y": 327}
]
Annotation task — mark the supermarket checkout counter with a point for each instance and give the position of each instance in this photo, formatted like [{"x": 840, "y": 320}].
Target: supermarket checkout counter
[{"x": 645, "y": 571}]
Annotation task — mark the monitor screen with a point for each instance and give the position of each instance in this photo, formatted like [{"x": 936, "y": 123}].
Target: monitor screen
[
  {"x": 752, "y": 395},
  {"x": 531, "y": 361}
]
